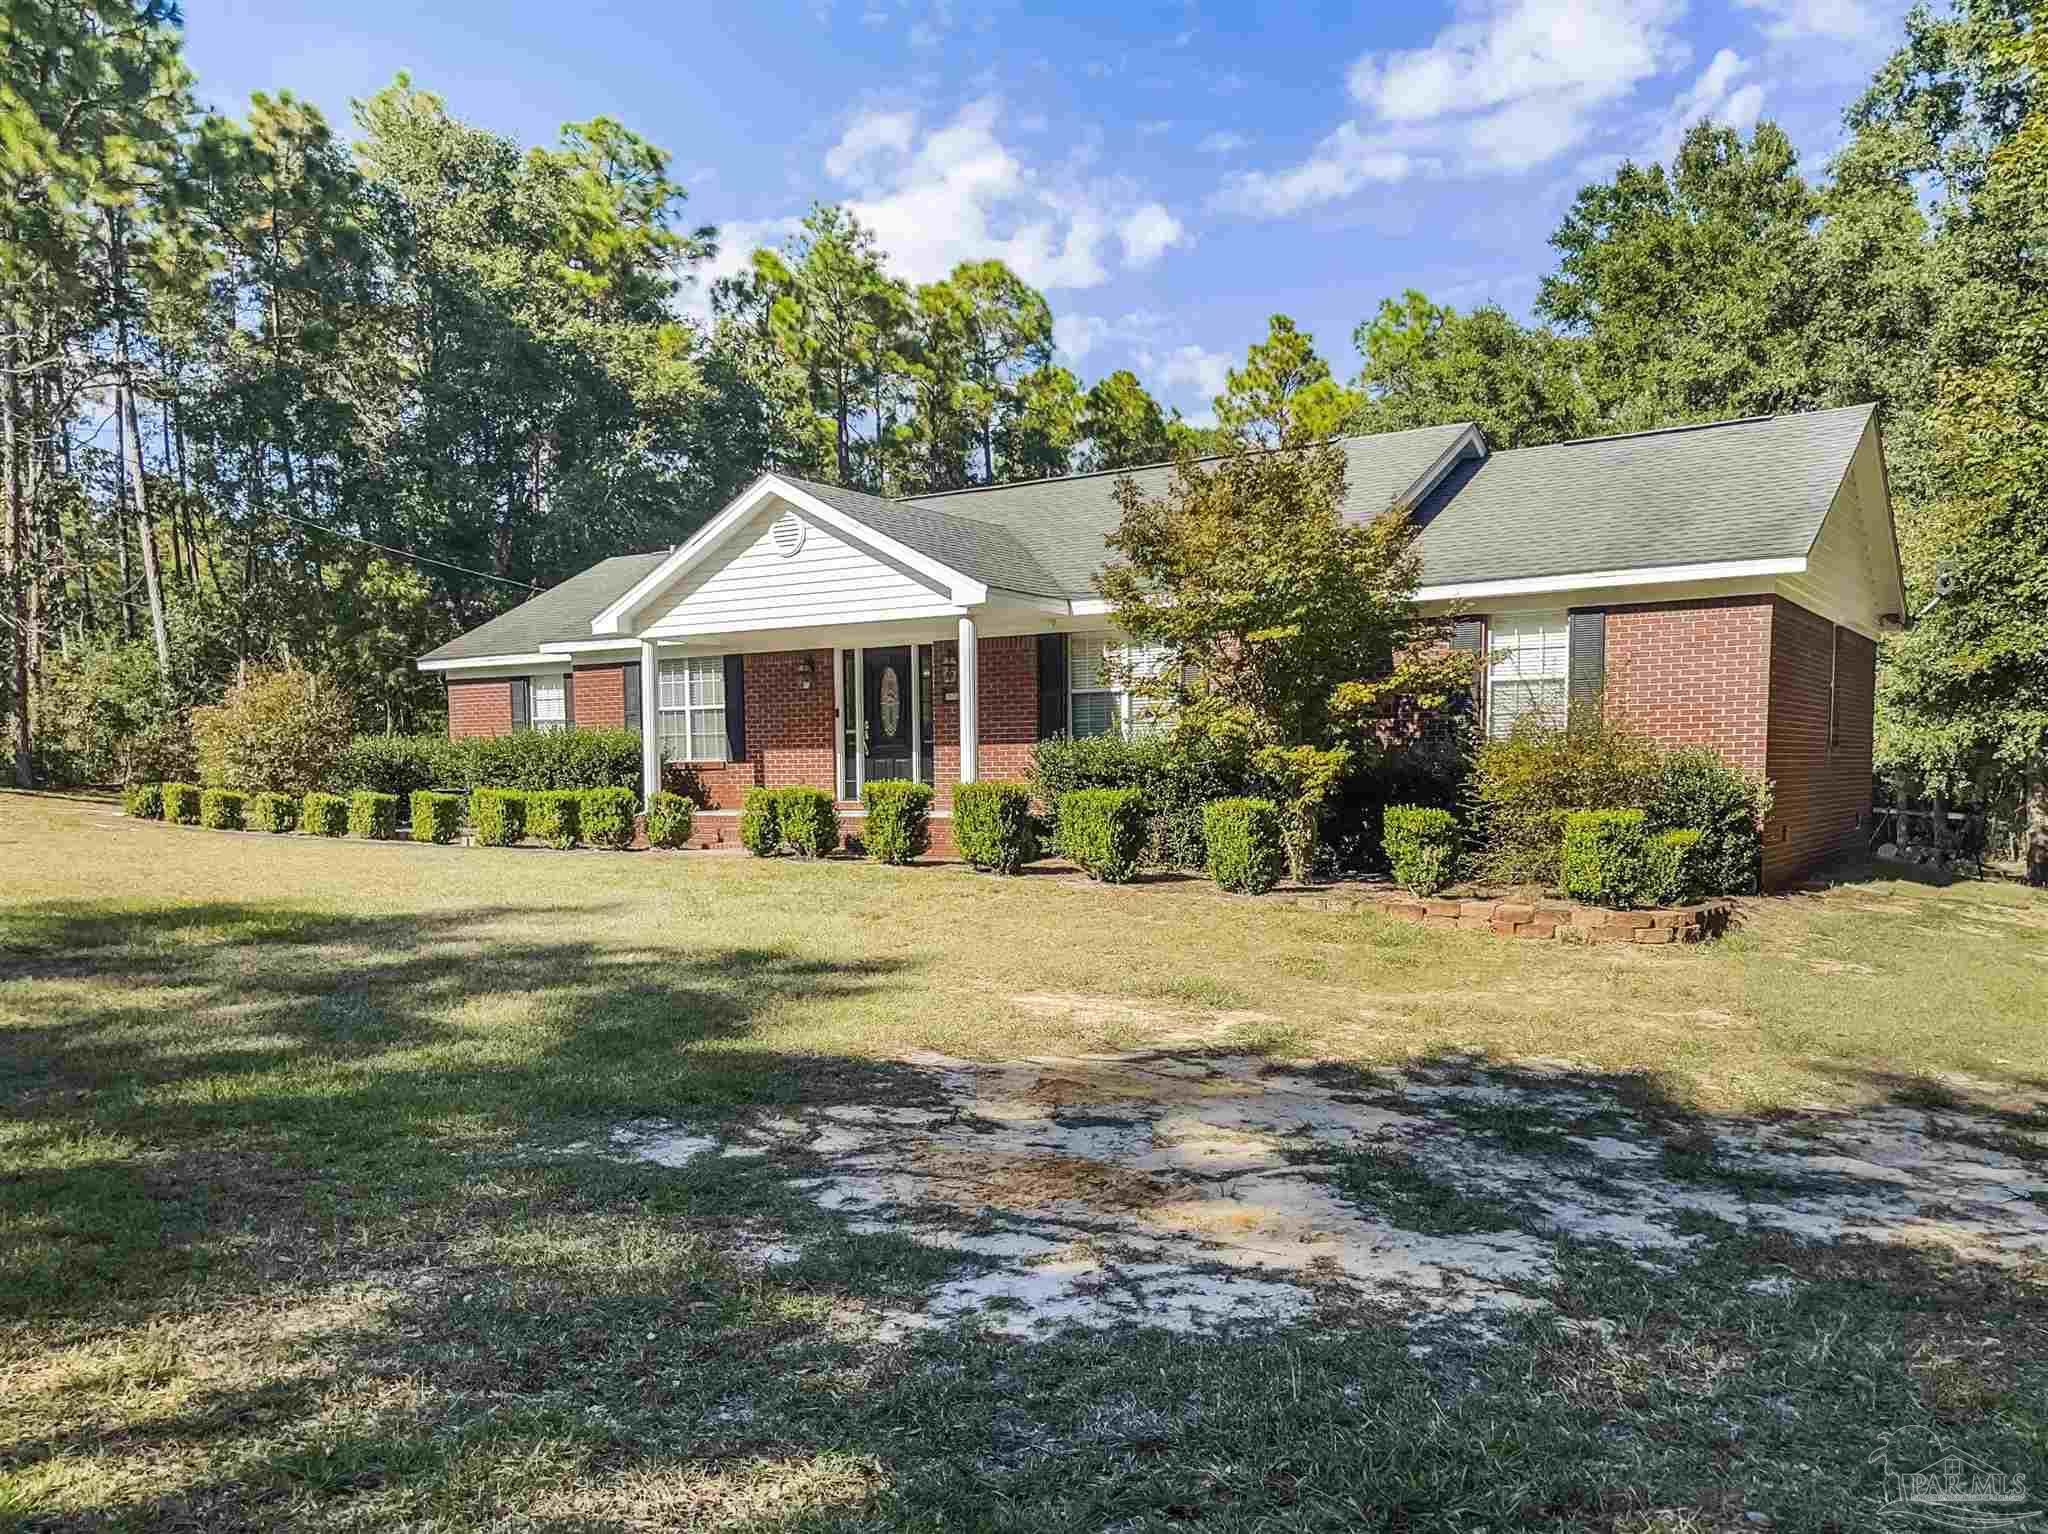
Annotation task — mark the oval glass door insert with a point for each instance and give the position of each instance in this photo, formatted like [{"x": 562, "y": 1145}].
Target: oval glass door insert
[{"x": 891, "y": 700}]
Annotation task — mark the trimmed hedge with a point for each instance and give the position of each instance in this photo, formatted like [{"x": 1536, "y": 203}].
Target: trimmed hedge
[
  {"x": 373, "y": 815},
  {"x": 275, "y": 813},
  {"x": 992, "y": 826},
  {"x": 498, "y": 816},
  {"x": 324, "y": 814},
  {"x": 761, "y": 822},
  {"x": 220, "y": 809},
  {"x": 1103, "y": 829},
  {"x": 435, "y": 817},
  {"x": 528, "y": 759},
  {"x": 899, "y": 819},
  {"x": 669, "y": 820},
  {"x": 809, "y": 821},
  {"x": 1177, "y": 779},
  {"x": 144, "y": 801},
  {"x": 181, "y": 803},
  {"x": 1421, "y": 844},
  {"x": 1245, "y": 851},
  {"x": 606, "y": 817},
  {"x": 1696, "y": 790},
  {"x": 555, "y": 815},
  {"x": 1604, "y": 860},
  {"x": 1672, "y": 868}
]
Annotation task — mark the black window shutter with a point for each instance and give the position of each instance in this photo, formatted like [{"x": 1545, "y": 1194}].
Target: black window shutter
[
  {"x": 522, "y": 702},
  {"x": 1469, "y": 634},
  {"x": 630, "y": 680},
  {"x": 1052, "y": 685},
  {"x": 569, "y": 700},
  {"x": 736, "y": 708},
  {"x": 1588, "y": 657}
]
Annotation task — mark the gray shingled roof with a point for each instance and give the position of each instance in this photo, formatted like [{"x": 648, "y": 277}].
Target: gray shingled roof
[
  {"x": 1064, "y": 521},
  {"x": 560, "y": 612},
  {"x": 1734, "y": 490},
  {"x": 978, "y": 547}
]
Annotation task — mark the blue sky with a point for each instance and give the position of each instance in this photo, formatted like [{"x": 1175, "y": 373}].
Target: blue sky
[{"x": 1169, "y": 173}]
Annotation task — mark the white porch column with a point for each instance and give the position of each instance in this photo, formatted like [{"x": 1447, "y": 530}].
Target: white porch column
[
  {"x": 970, "y": 702},
  {"x": 650, "y": 724}
]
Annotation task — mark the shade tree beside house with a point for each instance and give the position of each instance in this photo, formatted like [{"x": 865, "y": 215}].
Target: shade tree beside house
[{"x": 1720, "y": 586}]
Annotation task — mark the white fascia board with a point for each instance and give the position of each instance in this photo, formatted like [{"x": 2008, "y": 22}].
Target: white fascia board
[
  {"x": 617, "y": 618},
  {"x": 1090, "y": 607},
  {"x": 561, "y": 647},
  {"x": 487, "y": 662},
  {"x": 1655, "y": 575}
]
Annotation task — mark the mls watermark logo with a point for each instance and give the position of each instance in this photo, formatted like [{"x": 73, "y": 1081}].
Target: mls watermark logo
[{"x": 1957, "y": 1491}]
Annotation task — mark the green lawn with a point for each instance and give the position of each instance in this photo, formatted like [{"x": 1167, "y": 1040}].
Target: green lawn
[{"x": 301, "y": 1225}]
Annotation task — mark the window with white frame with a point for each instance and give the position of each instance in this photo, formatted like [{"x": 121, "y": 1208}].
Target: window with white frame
[
  {"x": 550, "y": 703},
  {"x": 692, "y": 704},
  {"x": 1528, "y": 676},
  {"x": 1097, "y": 702}
]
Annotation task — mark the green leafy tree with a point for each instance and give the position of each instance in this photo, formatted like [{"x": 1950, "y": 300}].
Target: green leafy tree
[
  {"x": 1288, "y": 632},
  {"x": 1284, "y": 392},
  {"x": 1121, "y": 425},
  {"x": 1427, "y": 364},
  {"x": 1006, "y": 330}
]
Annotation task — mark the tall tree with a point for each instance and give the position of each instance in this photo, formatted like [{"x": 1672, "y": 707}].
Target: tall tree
[
  {"x": 1122, "y": 425},
  {"x": 1007, "y": 335},
  {"x": 1284, "y": 392},
  {"x": 1426, "y": 364}
]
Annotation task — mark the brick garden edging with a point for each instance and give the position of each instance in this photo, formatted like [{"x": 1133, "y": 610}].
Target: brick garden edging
[{"x": 1557, "y": 919}]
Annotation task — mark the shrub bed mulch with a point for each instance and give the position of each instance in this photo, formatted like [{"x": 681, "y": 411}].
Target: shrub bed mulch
[{"x": 1533, "y": 916}]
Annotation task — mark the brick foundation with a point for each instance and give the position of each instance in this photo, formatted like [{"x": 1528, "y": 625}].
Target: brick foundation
[{"x": 1558, "y": 919}]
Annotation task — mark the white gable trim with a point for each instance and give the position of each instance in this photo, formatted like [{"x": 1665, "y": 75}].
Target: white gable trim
[
  {"x": 1654, "y": 575},
  {"x": 1471, "y": 443},
  {"x": 620, "y": 617}
]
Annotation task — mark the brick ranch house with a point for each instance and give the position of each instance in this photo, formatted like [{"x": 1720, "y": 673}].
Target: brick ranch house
[{"x": 1719, "y": 585}]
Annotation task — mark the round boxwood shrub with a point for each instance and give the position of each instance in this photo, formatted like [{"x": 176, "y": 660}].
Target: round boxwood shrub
[
  {"x": 220, "y": 809},
  {"x": 1103, "y": 829},
  {"x": 1243, "y": 838},
  {"x": 1605, "y": 860},
  {"x": 372, "y": 815},
  {"x": 143, "y": 801},
  {"x": 498, "y": 816},
  {"x": 1421, "y": 844},
  {"x": 993, "y": 827},
  {"x": 670, "y": 818},
  {"x": 1673, "y": 870},
  {"x": 1696, "y": 790},
  {"x": 325, "y": 814},
  {"x": 555, "y": 815},
  {"x": 809, "y": 820},
  {"x": 435, "y": 817},
  {"x": 899, "y": 819},
  {"x": 181, "y": 803},
  {"x": 761, "y": 822},
  {"x": 275, "y": 813},
  {"x": 606, "y": 817}
]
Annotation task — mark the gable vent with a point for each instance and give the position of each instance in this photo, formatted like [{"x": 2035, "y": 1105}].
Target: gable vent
[{"x": 787, "y": 534}]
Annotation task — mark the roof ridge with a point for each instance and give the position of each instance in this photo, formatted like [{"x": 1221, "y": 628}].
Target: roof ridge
[
  {"x": 1167, "y": 463},
  {"x": 1678, "y": 427}
]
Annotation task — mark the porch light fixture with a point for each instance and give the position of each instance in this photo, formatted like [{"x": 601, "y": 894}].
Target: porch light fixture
[{"x": 806, "y": 673}]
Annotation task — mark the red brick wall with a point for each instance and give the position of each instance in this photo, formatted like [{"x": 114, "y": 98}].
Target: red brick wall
[
  {"x": 601, "y": 697},
  {"x": 1822, "y": 789},
  {"x": 790, "y": 734},
  {"x": 1007, "y": 683},
  {"x": 480, "y": 707},
  {"x": 1694, "y": 674}
]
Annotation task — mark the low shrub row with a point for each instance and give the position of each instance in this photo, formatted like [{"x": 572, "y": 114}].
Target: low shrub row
[
  {"x": 533, "y": 760},
  {"x": 1613, "y": 858},
  {"x": 804, "y": 821},
  {"x": 898, "y": 827},
  {"x": 501, "y": 817},
  {"x": 1421, "y": 844}
]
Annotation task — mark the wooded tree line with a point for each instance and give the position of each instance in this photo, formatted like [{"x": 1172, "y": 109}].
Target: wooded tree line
[{"x": 227, "y": 342}]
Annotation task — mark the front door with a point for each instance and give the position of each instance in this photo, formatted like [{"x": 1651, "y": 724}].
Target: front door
[{"x": 885, "y": 700}]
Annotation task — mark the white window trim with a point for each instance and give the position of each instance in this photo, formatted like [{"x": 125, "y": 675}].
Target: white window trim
[
  {"x": 690, "y": 711},
  {"x": 1516, "y": 617},
  {"x": 559, "y": 681},
  {"x": 1126, "y": 700}
]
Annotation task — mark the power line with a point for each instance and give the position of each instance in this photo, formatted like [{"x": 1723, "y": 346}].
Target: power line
[{"x": 426, "y": 559}]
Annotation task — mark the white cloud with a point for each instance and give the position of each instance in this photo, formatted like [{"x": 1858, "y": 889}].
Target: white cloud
[
  {"x": 870, "y": 136},
  {"x": 1077, "y": 334},
  {"x": 938, "y": 196},
  {"x": 1148, "y": 234},
  {"x": 1509, "y": 85},
  {"x": 1222, "y": 142},
  {"x": 1792, "y": 20},
  {"x": 1722, "y": 92},
  {"x": 1193, "y": 368},
  {"x": 1155, "y": 127},
  {"x": 737, "y": 243}
]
